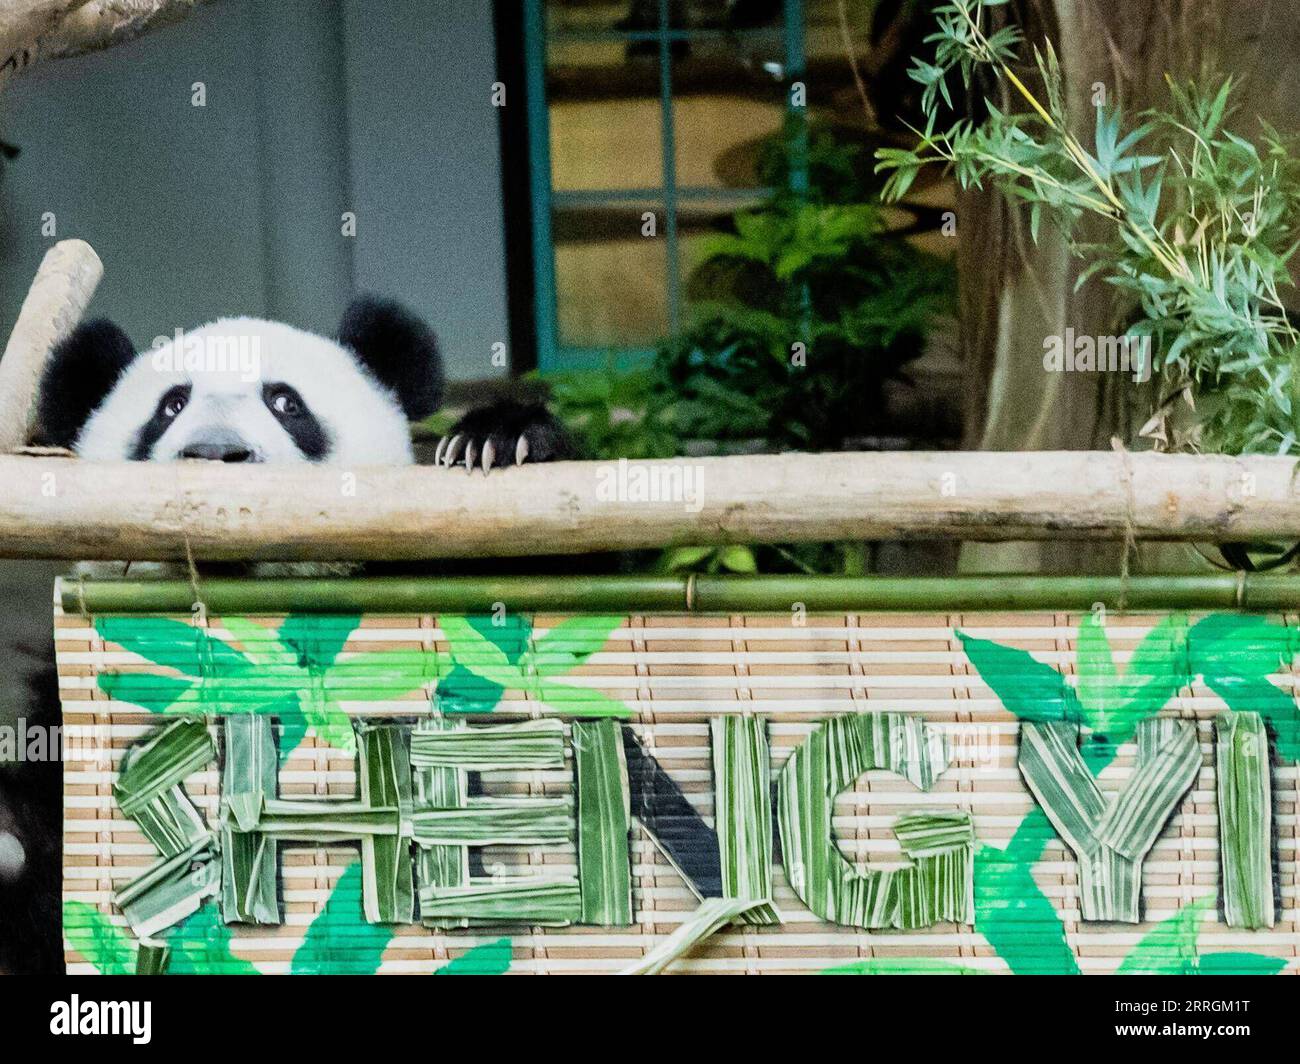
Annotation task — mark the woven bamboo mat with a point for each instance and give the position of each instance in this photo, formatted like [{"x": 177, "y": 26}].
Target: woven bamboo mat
[{"x": 674, "y": 673}]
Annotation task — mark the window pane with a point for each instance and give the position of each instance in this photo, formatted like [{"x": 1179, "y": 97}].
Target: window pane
[
  {"x": 605, "y": 112},
  {"x": 725, "y": 106},
  {"x": 611, "y": 281}
]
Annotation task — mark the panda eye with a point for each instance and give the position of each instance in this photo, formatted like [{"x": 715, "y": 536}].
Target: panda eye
[
  {"x": 174, "y": 402},
  {"x": 284, "y": 402}
]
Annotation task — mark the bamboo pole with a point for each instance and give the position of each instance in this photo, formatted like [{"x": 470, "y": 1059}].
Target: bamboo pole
[
  {"x": 682, "y": 594},
  {"x": 65, "y": 508},
  {"x": 60, "y": 292}
]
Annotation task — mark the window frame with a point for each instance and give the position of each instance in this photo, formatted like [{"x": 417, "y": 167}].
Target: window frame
[{"x": 552, "y": 354}]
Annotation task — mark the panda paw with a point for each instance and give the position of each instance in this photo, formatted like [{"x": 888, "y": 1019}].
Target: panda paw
[{"x": 504, "y": 433}]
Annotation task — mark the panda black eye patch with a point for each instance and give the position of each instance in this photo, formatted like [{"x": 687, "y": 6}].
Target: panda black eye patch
[
  {"x": 296, "y": 418},
  {"x": 173, "y": 401}
]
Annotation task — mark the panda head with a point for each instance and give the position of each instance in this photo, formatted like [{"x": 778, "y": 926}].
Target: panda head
[{"x": 246, "y": 390}]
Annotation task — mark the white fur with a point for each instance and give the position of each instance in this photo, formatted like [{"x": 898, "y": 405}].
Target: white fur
[{"x": 363, "y": 420}]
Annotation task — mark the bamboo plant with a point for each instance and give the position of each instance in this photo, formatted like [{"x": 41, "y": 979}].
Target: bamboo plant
[{"x": 1199, "y": 221}]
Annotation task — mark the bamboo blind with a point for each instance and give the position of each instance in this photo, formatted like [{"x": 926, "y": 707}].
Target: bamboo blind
[{"x": 675, "y": 672}]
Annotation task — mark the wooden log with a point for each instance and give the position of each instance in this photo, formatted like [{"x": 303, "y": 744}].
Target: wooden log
[
  {"x": 67, "y": 508},
  {"x": 64, "y": 283},
  {"x": 33, "y": 30}
]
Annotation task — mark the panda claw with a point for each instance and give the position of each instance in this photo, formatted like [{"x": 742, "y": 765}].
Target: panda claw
[
  {"x": 453, "y": 448},
  {"x": 442, "y": 446},
  {"x": 521, "y": 450},
  {"x": 489, "y": 456},
  {"x": 471, "y": 452}
]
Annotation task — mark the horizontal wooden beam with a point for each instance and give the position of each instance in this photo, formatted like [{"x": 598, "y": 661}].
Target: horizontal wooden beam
[{"x": 65, "y": 508}]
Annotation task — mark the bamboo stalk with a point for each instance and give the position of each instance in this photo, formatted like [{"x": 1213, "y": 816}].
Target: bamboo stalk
[
  {"x": 66, "y": 508},
  {"x": 64, "y": 283},
  {"x": 703, "y": 594}
]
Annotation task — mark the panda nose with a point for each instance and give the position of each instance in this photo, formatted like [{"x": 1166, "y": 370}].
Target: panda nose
[{"x": 220, "y": 451}]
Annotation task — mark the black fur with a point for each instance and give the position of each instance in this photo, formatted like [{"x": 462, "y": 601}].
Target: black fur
[
  {"x": 503, "y": 422},
  {"x": 31, "y": 807},
  {"x": 398, "y": 349},
  {"x": 303, "y": 427},
  {"x": 82, "y": 370},
  {"x": 151, "y": 431}
]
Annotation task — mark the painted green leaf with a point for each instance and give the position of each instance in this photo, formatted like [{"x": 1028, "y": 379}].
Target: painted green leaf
[
  {"x": 318, "y": 639},
  {"x": 1027, "y": 687},
  {"x": 491, "y": 958},
  {"x": 1114, "y": 702},
  {"x": 200, "y": 945},
  {"x": 1170, "y": 947},
  {"x": 1236, "y": 653},
  {"x": 157, "y": 694},
  {"x": 1239, "y": 964},
  {"x": 183, "y": 647},
  {"x": 1012, "y": 912},
  {"x": 462, "y": 691},
  {"x": 340, "y": 941},
  {"x": 483, "y": 670},
  {"x": 97, "y": 939},
  {"x": 328, "y": 720}
]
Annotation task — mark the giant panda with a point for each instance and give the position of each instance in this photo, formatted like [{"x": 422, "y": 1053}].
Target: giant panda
[
  {"x": 251, "y": 390},
  {"x": 304, "y": 398}
]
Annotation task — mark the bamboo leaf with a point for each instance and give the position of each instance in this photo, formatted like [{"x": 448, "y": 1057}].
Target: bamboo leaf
[
  {"x": 936, "y": 886},
  {"x": 152, "y": 958},
  {"x": 1110, "y": 837},
  {"x": 1245, "y": 804},
  {"x": 712, "y": 915},
  {"x": 171, "y": 889},
  {"x": 529, "y": 900},
  {"x": 604, "y": 821},
  {"x": 497, "y": 822},
  {"x": 434, "y": 788},
  {"x": 742, "y": 776},
  {"x": 385, "y": 781},
  {"x": 249, "y": 859},
  {"x": 530, "y": 744}
]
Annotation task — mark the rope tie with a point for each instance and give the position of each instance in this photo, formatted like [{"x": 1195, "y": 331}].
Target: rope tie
[{"x": 1130, "y": 521}]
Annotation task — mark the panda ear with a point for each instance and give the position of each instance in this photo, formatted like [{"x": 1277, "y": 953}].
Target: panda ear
[
  {"x": 82, "y": 370},
  {"x": 399, "y": 349}
]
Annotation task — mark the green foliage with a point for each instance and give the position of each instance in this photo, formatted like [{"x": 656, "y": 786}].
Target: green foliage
[
  {"x": 617, "y": 414},
  {"x": 812, "y": 268},
  {"x": 1200, "y": 223},
  {"x": 802, "y": 315},
  {"x": 732, "y": 559}
]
